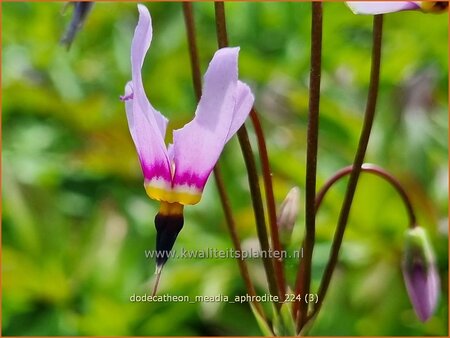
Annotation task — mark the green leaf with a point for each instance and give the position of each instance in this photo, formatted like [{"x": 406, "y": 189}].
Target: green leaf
[
  {"x": 263, "y": 325},
  {"x": 283, "y": 322}
]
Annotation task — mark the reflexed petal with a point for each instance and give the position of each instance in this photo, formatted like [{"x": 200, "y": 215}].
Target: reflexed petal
[
  {"x": 139, "y": 46},
  {"x": 147, "y": 126},
  {"x": 197, "y": 146},
  {"x": 380, "y": 7},
  {"x": 147, "y": 139},
  {"x": 244, "y": 103}
]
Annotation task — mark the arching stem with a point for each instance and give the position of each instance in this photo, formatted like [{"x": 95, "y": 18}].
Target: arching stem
[
  {"x": 376, "y": 170},
  {"x": 358, "y": 161}
]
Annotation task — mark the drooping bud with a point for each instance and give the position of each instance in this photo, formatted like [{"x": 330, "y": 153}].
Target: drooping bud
[
  {"x": 420, "y": 273},
  {"x": 287, "y": 215}
]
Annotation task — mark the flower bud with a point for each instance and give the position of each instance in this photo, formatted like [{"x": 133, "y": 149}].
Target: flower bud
[
  {"x": 420, "y": 273},
  {"x": 287, "y": 215}
]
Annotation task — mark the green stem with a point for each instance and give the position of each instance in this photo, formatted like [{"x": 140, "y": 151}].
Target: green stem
[
  {"x": 380, "y": 172},
  {"x": 359, "y": 158},
  {"x": 255, "y": 190},
  {"x": 304, "y": 272},
  {"x": 225, "y": 201}
]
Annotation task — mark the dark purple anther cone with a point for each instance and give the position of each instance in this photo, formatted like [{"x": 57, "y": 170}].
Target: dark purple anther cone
[
  {"x": 420, "y": 273},
  {"x": 167, "y": 229}
]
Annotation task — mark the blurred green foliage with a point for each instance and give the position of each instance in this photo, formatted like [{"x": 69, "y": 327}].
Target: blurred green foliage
[{"x": 76, "y": 220}]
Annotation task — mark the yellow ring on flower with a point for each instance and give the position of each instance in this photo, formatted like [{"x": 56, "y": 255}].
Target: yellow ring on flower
[{"x": 172, "y": 196}]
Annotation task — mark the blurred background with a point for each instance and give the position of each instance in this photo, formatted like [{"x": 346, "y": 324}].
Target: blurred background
[{"x": 76, "y": 220}]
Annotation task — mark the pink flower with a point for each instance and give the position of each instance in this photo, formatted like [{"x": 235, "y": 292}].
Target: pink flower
[{"x": 176, "y": 175}]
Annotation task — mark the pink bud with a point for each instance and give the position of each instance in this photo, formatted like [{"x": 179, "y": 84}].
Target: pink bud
[{"x": 420, "y": 273}]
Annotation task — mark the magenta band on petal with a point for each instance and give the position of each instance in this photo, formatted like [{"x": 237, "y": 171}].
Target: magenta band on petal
[
  {"x": 155, "y": 170},
  {"x": 191, "y": 179}
]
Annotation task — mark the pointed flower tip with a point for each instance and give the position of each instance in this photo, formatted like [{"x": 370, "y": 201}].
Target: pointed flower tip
[
  {"x": 142, "y": 9},
  {"x": 288, "y": 215},
  {"x": 420, "y": 273},
  {"x": 227, "y": 52}
]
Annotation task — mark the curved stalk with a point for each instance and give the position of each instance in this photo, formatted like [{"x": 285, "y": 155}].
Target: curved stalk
[
  {"x": 371, "y": 169},
  {"x": 359, "y": 158},
  {"x": 378, "y": 171}
]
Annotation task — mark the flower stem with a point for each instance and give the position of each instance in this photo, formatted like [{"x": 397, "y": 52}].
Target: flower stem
[
  {"x": 231, "y": 224},
  {"x": 358, "y": 161},
  {"x": 193, "y": 51},
  {"x": 221, "y": 26},
  {"x": 270, "y": 200},
  {"x": 372, "y": 169},
  {"x": 304, "y": 272},
  {"x": 258, "y": 209},
  {"x": 255, "y": 190}
]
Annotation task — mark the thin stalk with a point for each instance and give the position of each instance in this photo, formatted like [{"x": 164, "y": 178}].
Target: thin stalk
[
  {"x": 258, "y": 209},
  {"x": 255, "y": 190},
  {"x": 358, "y": 161},
  {"x": 378, "y": 171},
  {"x": 303, "y": 280},
  {"x": 270, "y": 200},
  {"x": 231, "y": 224},
  {"x": 193, "y": 51}
]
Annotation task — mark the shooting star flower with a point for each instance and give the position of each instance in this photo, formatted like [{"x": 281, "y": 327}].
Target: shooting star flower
[
  {"x": 382, "y": 7},
  {"x": 176, "y": 175}
]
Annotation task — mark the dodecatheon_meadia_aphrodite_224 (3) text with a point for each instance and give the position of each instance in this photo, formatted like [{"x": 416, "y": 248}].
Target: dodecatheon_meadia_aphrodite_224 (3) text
[{"x": 176, "y": 175}]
